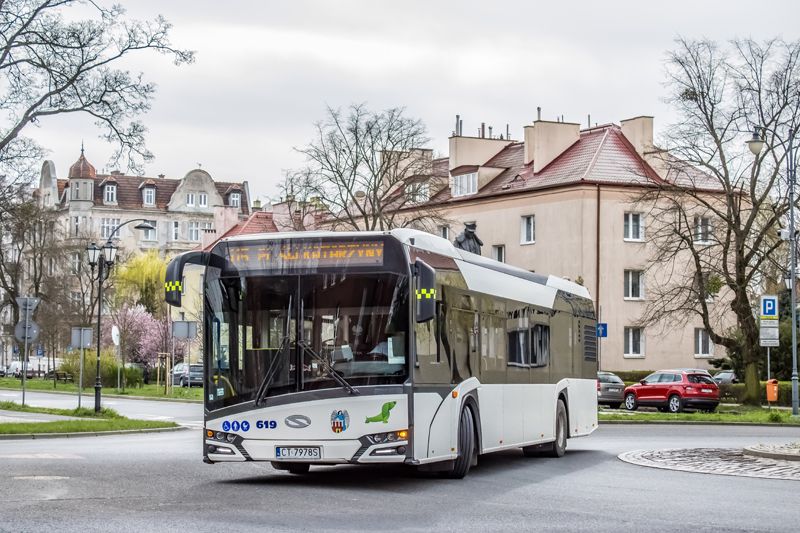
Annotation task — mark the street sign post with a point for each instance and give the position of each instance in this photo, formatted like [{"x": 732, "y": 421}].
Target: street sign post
[
  {"x": 26, "y": 331},
  {"x": 768, "y": 321},
  {"x": 81, "y": 337}
]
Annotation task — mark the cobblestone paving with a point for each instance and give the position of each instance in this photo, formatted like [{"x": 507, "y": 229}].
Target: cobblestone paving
[
  {"x": 721, "y": 461},
  {"x": 790, "y": 450}
]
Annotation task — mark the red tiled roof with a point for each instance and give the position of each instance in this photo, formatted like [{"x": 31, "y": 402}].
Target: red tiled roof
[
  {"x": 82, "y": 168},
  {"x": 258, "y": 222},
  {"x": 601, "y": 155}
]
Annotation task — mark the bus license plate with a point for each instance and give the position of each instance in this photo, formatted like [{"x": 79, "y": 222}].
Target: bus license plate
[{"x": 298, "y": 452}]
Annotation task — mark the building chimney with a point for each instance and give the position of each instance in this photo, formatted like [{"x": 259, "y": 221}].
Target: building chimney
[
  {"x": 545, "y": 140},
  {"x": 490, "y": 132},
  {"x": 256, "y": 205},
  {"x": 456, "y": 131},
  {"x": 639, "y": 132},
  {"x": 538, "y": 113},
  {"x": 483, "y": 130}
]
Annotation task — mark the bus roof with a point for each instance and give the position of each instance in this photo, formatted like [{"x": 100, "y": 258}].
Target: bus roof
[{"x": 431, "y": 243}]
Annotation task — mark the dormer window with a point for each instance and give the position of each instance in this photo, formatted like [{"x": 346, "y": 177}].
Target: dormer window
[
  {"x": 235, "y": 199},
  {"x": 149, "y": 196},
  {"x": 190, "y": 199},
  {"x": 110, "y": 196},
  {"x": 76, "y": 189},
  {"x": 202, "y": 199},
  {"x": 465, "y": 184}
]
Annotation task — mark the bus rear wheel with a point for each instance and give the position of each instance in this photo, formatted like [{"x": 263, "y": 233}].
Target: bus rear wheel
[
  {"x": 466, "y": 445},
  {"x": 558, "y": 447}
]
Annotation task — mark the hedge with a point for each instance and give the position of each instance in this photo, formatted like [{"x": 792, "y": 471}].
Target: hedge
[
  {"x": 108, "y": 370},
  {"x": 734, "y": 393}
]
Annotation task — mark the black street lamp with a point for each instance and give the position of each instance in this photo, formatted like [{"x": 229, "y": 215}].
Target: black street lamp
[{"x": 104, "y": 264}]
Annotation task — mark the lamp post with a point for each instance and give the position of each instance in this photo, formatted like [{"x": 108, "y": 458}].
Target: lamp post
[
  {"x": 104, "y": 263},
  {"x": 790, "y": 169}
]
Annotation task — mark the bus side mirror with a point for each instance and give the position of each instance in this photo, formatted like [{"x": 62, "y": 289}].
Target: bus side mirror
[
  {"x": 173, "y": 284},
  {"x": 425, "y": 291}
]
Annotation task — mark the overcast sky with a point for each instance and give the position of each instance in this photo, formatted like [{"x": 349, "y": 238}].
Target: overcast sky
[{"x": 266, "y": 70}]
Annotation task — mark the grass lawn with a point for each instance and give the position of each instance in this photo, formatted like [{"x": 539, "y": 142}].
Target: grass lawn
[
  {"x": 150, "y": 391},
  {"x": 105, "y": 420},
  {"x": 725, "y": 413}
]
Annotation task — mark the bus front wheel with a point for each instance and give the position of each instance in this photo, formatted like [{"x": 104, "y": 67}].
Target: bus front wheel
[{"x": 466, "y": 445}]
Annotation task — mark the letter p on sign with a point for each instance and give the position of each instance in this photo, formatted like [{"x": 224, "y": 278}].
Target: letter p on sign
[{"x": 769, "y": 307}]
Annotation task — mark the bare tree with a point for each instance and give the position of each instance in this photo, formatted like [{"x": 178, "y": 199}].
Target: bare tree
[
  {"x": 713, "y": 220},
  {"x": 365, "y": 170},
  {"x": 52, "y": 64}
]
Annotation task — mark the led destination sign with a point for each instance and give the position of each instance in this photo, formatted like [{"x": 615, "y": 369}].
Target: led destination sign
[{"x": 280, "y": 255}]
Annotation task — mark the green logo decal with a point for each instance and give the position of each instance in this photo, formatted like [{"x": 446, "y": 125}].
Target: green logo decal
[{"x": 384, "y": 416}]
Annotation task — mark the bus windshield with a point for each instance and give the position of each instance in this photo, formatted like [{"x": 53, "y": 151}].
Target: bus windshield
[{"x": 268, "y": 335}]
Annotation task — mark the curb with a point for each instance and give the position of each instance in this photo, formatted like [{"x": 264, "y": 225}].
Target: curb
[
  {"x": 37, "y": 436},
  {"x": 696, "y": 423},
  {"x": 122, "y": 396},
  {"x": 755, "y": 451}
]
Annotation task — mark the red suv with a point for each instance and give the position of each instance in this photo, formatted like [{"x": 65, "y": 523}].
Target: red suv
[{"x": 673, "y": 390}]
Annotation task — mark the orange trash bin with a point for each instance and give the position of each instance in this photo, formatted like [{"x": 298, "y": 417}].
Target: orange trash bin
[{"x": 772, "y": 390}]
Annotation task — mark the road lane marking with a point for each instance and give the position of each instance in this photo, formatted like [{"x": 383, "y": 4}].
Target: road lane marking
[
  {"x": 41, "y": 456},
  {"x": 40, "y": 478}
]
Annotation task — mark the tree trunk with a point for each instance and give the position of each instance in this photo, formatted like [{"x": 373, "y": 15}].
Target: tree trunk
[{"x": 752, "y": 386}]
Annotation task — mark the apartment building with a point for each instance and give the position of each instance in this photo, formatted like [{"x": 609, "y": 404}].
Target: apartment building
[
  {"x": 180, "y": 210},
  {"x": 561, "y": 201}
]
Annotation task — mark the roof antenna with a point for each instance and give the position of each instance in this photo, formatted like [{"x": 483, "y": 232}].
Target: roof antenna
[
  {"x": 589, "y": 120},
  {"x": 81, "y": 146},
  {"x": 538, "y": 113}
]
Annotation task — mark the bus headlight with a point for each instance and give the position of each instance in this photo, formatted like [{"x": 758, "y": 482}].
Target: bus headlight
[{"x": 390, "y": 436}]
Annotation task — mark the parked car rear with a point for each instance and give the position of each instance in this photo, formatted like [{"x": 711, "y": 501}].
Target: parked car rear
[
  {"x": 726, "y": 377},
  {"x": 187, "y": 375},
  {"x": 673, "y": 391},
  {"x": 610, "y": 389}
]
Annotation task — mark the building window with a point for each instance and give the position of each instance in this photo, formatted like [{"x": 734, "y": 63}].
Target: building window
[
  {"x": 151, "y": 234},
  {"x": 419, "y": 192},
  {"x": 465, "y": 184},
  {"x": 194, "y": 231},
  {"x": 75, "y": 258},
  {"x": 634, "y": 229},
  {"x": 444, "y": 232},
  {"x": 107, "y": 227},
  {"x": 76, "y": 190},
  {"x": 76, "y": 297},
  {"x": 702, "y": 230},
  {"x": 111, "y": 194},
  {"x": 703, "y": 347},
  {"x": 527, "y": 230},
  {"x": 633, "y": 284},
  {"x": 77, "y": 224},
  {"x": 202, "y": 199},
  {"x": 499, "y": 253},
  {"x": 176, "y": 230},
  {"x": 207, "y": 226},
  {"x": 634, "y": 342},
  {"x": 149, "y": 196},
  {"x": 190, "y": 199},
  {"x": 51, "y": 267},
  {"x": 235, "y": 199}
]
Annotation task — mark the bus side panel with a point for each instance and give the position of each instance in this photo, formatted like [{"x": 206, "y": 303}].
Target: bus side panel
[
  {"x": 516, "y": 400},
  {"x": 490, "y": 398},
  {"x": 426, "y": 406},
  {"x": 539, "y": 414},
  {"x": 582, "y": 406}
]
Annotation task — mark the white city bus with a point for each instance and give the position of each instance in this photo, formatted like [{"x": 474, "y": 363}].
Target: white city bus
[{"x": 386, "y": 347}]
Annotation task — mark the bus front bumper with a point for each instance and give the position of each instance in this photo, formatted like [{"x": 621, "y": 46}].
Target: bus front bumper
[{"x": 330, "y": 451}]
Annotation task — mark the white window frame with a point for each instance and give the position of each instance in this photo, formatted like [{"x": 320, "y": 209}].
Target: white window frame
[
  {"x": 699, "y": 226},
  {"x": 75, "y": 260},
  {"x": 151, "y": 234},
  {"x": 176, "y": 230},
  {"x": 627, "y": 224},
  {"x": 499, "y": 253},
  {"x": 202, "y": 199},
  {"x": 464, "y": 184},
  {"x": 110, "y": 193},
  {"x": 524, "y": 236},
  {"x": 107, "y": 226},
  {"x": 76, "y": 190},
  {"x": 189, "y": 199},
  {"x": 235, "y": 199},
  {"x": 628, "y": 284},
  {"x": 701, "y": 335},
  {"x": 444, "y": 232},
  {"x": 149, "y": 196},
  {"x": 628, "y": 342},
  {"x": 194, "y": 231}
]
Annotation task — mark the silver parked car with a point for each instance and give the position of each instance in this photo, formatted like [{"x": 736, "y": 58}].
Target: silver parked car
[{"x": 610, "y": 389}]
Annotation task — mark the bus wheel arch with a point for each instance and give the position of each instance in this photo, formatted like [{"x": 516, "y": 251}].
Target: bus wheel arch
[
  {"x": 467, "y": 446},
  {"x": 471, "y": 401},
  {"x": 563, "y": 395}
]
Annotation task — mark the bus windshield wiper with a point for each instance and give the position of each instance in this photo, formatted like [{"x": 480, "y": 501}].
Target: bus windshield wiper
[
  {"x": 337, "y": 377},
  {"x": 261, "y": 395}
]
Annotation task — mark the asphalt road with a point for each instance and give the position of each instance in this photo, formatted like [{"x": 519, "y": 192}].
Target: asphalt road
[{"x": 157, "y": 482}]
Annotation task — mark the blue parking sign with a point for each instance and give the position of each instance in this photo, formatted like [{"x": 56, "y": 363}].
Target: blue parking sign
[{"x": 769, "y": 307}]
